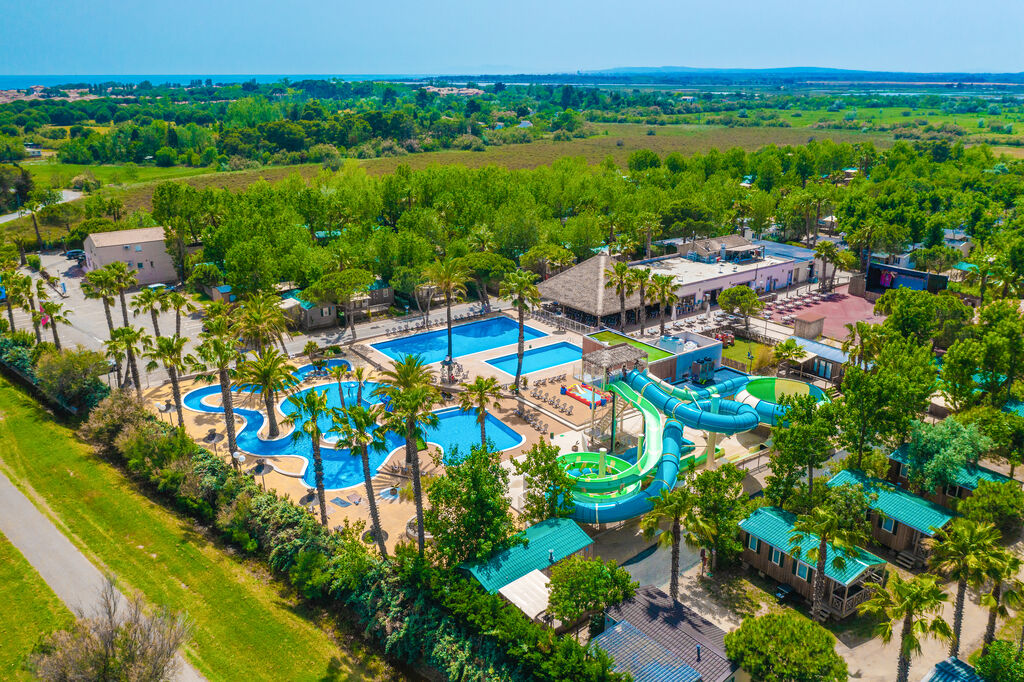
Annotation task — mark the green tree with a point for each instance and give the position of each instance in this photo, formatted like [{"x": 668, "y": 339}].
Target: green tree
[
  {"x": 960, "y": 365},
  {"x": 805, "y": 440},
  {"x": 1005, "y": 590},
  {"x": 839, "y": 522},
  {"x": 411, "y": 394},
  {"x": 719, "y": 504},
  {"x": 1001, "y": 663},
  {"x": 916, "y": 604},
  {"x": 642, "y": 160},
  {"x": 671, "y": 506},
  {"x": 937, "y": 453},
  {"x": 785, "y": 647},
  {"x": 641, "y": 282},
  {"x": 580, "y": 587},
  {"x": 620, "y": 278},
  {"x": 216, "y": 355},
  {"x": 964, "y": 551},
  {"x": 130, "y": 341},
  {"x": 121, "y": 279},
  {"x": 485, "y": 265},
  {"x": 169, "y": 351},
  {"x": 358, "y": 431},
  {"x": 998, "y": 503},
  {"x": 270, "y": 374},
  {"x": 260, "y": 322},
  {"x": 547, "y": 487},
  {"x": 448, "y": 276},
  {"x": 152, "y": 301},
  {"x": 520, "y": 290},
  {"x": 305, "y": 412},
  {"x": 662, "y": 293},
  {"x": 341, "y": 288},
  {"x": 470, "y": 515},
  {"x": 787, "y": 352},
  {"x": 55, "y": 314},
  {"x": 544, "y": 256},
  {"x": 741, "y": 300},
  {"x": 477, "y": 397},
  {"x": 73, "y": 376}
]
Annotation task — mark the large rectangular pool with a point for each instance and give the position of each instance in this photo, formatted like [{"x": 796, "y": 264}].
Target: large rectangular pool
[
  {"x": 536, "y": 359},
  {"x": 469, "y": 338}
]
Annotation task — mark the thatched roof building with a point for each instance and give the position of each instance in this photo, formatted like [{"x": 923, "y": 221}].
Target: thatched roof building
[{"x": 582, "y": 288}]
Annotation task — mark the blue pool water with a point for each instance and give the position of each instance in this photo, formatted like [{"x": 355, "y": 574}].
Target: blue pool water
[
  {"x": 537, "y": 359},
  {"x": 467, "y": 339},
  {"x": 457, "y": 431},
  {"x": 301, "y": 372}
]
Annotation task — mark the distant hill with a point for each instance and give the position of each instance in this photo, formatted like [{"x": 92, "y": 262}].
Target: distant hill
[{"x": 799, "y": 73}]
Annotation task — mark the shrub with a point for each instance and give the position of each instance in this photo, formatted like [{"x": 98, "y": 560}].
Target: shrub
[
  {"x": 1001, "y": 663},
  {"x": 779, "y": 647},
  {"x": 115, "y": 413},
  {"x": 73, "y": 376},
  {"x": 1000, "y": 504},
  {"x": 34, "y": 261}
]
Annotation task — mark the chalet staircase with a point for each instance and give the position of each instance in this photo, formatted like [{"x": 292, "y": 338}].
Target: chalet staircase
[
  {"x": 905, "y": 560},
  {"x": 832, "y": 392}
]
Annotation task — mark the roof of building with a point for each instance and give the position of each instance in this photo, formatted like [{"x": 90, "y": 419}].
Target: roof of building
[
  {"x": 952, "y": 670},
  {"x": 529, "y": 594},
  {"x": 615, "y": 356},
  {"x": 797, "y": 253},
  {"x": 679, "y": 629},
  {"x": 642, "y": 657},
  {"x": 967, "y": 477},
  {"x": 775, "y": 526},
  {"x": 899, "y": 505},
  {"x": 547, "y": 543},
  {"x": 705, "y": 248},
  {"x": 821, "y": 350},
  {"x": 582, "y": 287},
  {"x": 139, "y": 235}
]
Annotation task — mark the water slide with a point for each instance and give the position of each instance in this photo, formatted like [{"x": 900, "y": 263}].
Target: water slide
[{"x": 717, "y": 415}]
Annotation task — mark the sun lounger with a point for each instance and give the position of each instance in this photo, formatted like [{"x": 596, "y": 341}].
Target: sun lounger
[
  {"x": 340, "y": 502},
  {"x": 355, "y": 498}
]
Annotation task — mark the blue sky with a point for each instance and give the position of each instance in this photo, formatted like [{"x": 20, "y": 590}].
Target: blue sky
[{"x": 478, "y": 36}]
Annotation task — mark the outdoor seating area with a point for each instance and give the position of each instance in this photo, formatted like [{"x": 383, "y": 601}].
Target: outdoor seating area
[
  {"x": 784, "y": 310},
  {"x": 555, "y": 401},
  {"x": 442, "y": 321}
]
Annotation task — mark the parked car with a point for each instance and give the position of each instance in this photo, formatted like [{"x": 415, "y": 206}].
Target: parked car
[{"x": 74, "y": 254}]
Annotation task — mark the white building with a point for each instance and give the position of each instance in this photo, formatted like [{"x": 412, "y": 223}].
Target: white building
[{"x": 142, "y": 250}]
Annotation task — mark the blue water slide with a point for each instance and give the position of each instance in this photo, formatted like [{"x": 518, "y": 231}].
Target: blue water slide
[
  {"x": 631, "y": 506},
  {"x": 715, "y": 415}
]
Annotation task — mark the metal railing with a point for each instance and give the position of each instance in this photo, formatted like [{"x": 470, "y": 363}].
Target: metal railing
[{"x": 562, "y": 322}]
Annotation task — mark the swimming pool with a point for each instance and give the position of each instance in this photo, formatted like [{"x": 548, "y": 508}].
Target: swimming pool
[
  {"x": 301, "y": 372},
  {"x": 467, "y": 339},
  {"x": 456, "y": 432},
  {"x": 537, "y": 359}
]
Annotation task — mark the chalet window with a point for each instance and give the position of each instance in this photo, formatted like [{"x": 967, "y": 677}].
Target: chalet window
[
  {"x": 753, "y": 544},
  {"x": 888, "y": 525},
  {"x": 803, "y": 571},
  {"x": 325, "y": 312},
  {"x": 138, "y": 248},
  {"x": 776, "y": 557},
  {"x": 953, "y": 491},
  {"x": 903, "y": 470}
]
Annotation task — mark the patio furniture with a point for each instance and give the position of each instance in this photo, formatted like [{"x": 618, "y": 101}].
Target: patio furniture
[{"x": 355, "y": 498}]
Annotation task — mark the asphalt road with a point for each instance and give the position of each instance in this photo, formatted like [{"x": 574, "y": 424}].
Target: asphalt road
[
  {"x": 66, "y": 195},
  {"x": 67, "y": 571}
]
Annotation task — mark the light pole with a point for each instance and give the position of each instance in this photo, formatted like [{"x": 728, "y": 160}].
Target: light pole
[{"x": 238, "y": 458}]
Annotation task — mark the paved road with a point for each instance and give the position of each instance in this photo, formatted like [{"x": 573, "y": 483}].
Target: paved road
[
  {"x": 66, "y": 195},
  {"x": 64, "y": 568}
]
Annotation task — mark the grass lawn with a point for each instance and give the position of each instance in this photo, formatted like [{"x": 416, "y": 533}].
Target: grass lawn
[
  {"x": 30, "y": 611},
  {"x": 614, "y": 339},
  {"x": 247, "y": 625},
  {"x": 738, "y": 352},
  {"x": 57, "y": 174}
]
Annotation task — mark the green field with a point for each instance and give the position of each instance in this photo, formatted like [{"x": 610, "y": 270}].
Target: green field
[
  {"x": 613, "y": 338},
  {"x": 738, "y": 353},
  {"x": 30, "y": 611},
  {"x": 248, "y": 626},
  {"x": 60, "y": 174}
]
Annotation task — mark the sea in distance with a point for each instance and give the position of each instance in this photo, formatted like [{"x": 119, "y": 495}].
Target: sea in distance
[{"x": 22, "y": 82}]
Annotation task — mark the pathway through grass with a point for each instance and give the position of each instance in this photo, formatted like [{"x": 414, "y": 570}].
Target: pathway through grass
[
  {"x": 30, "y": 610},
  {"x": 247, "y": 627}
]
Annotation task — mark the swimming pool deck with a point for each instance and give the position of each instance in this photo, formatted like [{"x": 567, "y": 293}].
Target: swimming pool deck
[{"x": 286, "y": 478}]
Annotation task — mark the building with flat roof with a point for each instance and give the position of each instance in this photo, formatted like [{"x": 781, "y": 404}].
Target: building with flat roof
[{"x": 142, "y": 250}]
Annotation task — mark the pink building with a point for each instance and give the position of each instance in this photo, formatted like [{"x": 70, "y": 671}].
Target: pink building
[{"x": 142, "y": 250}]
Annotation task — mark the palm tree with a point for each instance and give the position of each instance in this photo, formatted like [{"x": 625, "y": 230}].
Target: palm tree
[
  {"x": 170, "y": 352},
  {"x": 519, "y": 290},
  {"x": 663, "y": 293},
  {"x": 983, "y": 258},
  {"x": 179, "y": 303},
  {"x": 670, "y": 506},
  {"x": 130, "y": 341},
  {"x": 620, "y": 279},
  {"x": 481, "y": 240},
  {"x": 359, "y": 431},
  {"x": 34, "y": 288},
  {"x": 916, "y": 603},
  {"x": 360, "y": 375},
  {"x": 100, "y": 285},
  {"x": 215, "y": 354},
  {"x": 863, "y": 342},
  {"x": 641, "y": 280},
  {"x": 339, "y": 373},
  {"x": 829, "y": 527},
  {"x": 478, "y": 396},
  {"x": 55, "y": 311},
  {"x": 122, "y": 279},
  {"x": 964, "y": 551},
  {"x": 260, "y": 322},
  {"x": 152, "y": 301},
  {"x": 409, "y": 387},
  {"x": 449, "y": 276},
  {"x": 306, "y": 409},
  {"x": 1005, "y": 590},
  {"x": 786, "y": 352},
  {"x": 271, "y": 373},
  {"x": 10, "y": 279}
]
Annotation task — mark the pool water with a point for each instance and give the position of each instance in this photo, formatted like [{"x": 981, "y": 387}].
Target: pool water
[
  {"x": 455, "y": 434},
  {"x": 301, "y": 372},
  {"x": 537, "y": 359},
  {"x": 473, "y": 337}
]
